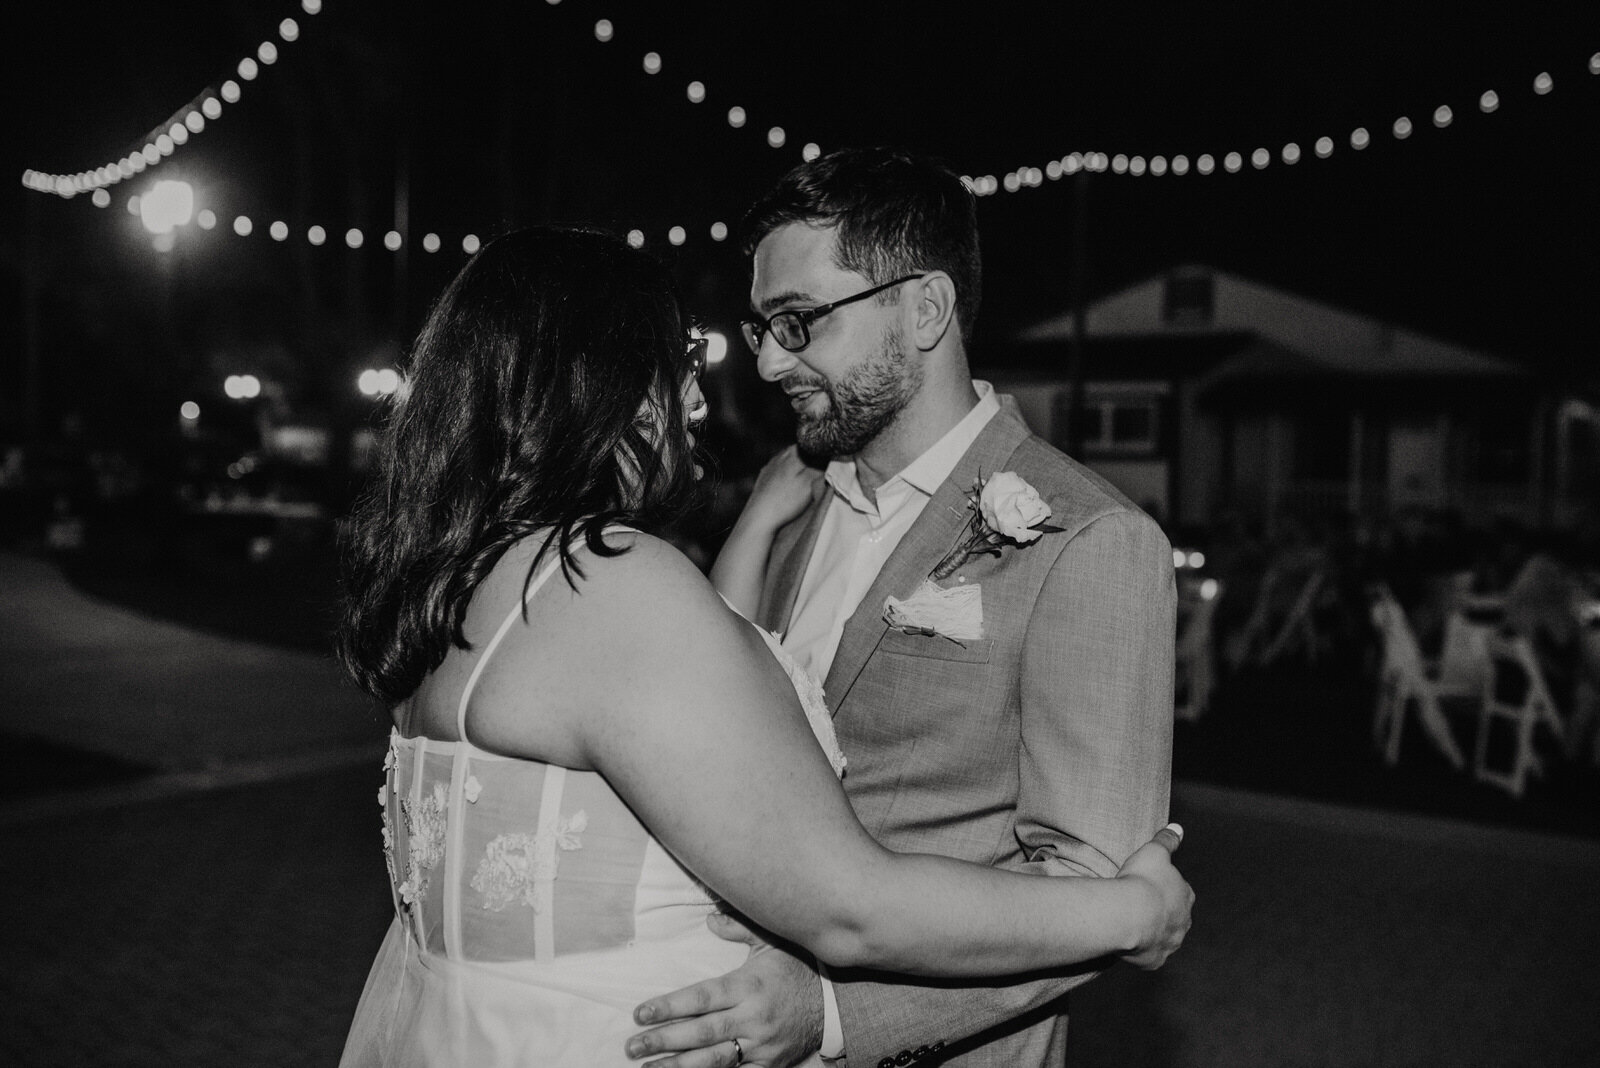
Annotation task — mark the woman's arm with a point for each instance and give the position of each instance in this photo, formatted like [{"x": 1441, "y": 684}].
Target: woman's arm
[
  {"x": 677, "y": 702},
  {"x": 782, "y": 491}
]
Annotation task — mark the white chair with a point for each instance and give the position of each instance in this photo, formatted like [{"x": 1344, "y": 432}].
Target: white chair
[
  {"x": 1514, "y": 690},
  {"x": 1193, "y": 673},
  {"x": 1407, "y": 678},
  {"x": 1280, "y": 621}
]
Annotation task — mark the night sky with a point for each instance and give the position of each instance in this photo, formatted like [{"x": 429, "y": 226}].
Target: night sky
[{"x": 488, "y": 115}]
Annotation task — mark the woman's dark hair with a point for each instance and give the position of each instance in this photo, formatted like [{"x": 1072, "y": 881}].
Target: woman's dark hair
[
  {"x": 541, "y": 397},
  {"x": 896, "y": 213}
]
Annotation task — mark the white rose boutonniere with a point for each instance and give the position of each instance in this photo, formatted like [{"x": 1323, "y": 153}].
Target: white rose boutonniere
[{"x": 1004, "y": 509}]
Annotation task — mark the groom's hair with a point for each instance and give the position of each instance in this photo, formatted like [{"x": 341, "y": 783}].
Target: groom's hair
[
  {"x": 895, "y": 213},
  {"x": 541, "y": 399}
]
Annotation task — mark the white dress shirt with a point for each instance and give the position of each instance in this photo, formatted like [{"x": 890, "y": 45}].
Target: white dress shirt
[{"x": 857, "y": 537}]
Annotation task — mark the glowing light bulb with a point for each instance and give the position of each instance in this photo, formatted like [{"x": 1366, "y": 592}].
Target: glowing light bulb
[
  {"x": 470, "y": 244},
  {"x": 1489, "y": 101},
  {"x": 1260, "y": 158},
  {"x": 248, "y": 69},
  {"x": 206, "y": 218},
  {"x": 1136, "y": 166},
  {"x": 1291, "y": 153},
  {"x": 1012, "y": 182},
  {"x": 1442, "y": 116},
  {"x": 1205, "y": 164},
  {"x": 1594, "y": 63},
  {"x": 212, "y": 107},
  {"x": 267, "y": 53},
  {"x": 696, "y": 92},
  {"x": 101, "y": 198},
  {"x": 430, "y": 242},
  {"x": 164, "y": 145},
  {"x": 133, "y": 205},
  {"x": 1119, "y": 164},
  {"x": 152, "y": 154},
  {"x": 311, "y": 7},
  {"x": 1324, "y": 147},
  {"x": 179, "y": 133},
  {"x": 719, "y": 231},
  {"x": 636, "y": 238},
  {"x": 776, "y": 137},
  {"x": 289, "y": 29},
  {"x": 652, "y": 63},
  {"x": 1232, "y": 162},
  {"x": 1543, "y": 83},
  {"x": 316, "y": 235},
  {"x": 603, "y": 30},
  {"x": 1402, "y": 128},
  {"x": 391, "y": 241},
  {"x": 166, "y": 205},
  {"x": 811, "y": 151},
  {"x": 1360, "y": 138},
  {"x": 354, "y": 237},
  {"x": 677, "y": 235},
  {"x": 230, "y": 93},
  {"x": 1158, "y": 166},
  {"x": 279, "y": 230},
  {"x": 189, "y": 411},
  {"x": 736, "y": 116},
  {"x": 242, "y": 225}
]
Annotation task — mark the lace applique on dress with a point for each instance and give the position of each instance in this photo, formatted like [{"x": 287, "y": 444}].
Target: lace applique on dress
[
  {"x": 515, "y": 865},
  {"x": 425, "y": 826}
]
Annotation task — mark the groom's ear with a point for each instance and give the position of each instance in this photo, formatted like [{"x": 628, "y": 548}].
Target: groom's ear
[{"x": 935, "y": 312}]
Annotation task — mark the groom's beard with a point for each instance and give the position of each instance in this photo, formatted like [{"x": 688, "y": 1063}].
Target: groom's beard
[{"x": 862, "y": 403}]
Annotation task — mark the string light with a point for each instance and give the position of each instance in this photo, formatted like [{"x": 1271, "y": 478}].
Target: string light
[{"x": 178, "y": 128}]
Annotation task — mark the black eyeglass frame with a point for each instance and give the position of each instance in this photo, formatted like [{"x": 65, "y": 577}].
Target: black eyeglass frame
[{"x": 755, "y": 331}]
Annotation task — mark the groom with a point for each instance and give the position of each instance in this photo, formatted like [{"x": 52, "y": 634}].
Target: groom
[{"x": 1017, "y": 711}]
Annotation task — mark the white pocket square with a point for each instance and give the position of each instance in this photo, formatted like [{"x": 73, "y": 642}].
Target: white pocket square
[{"x": 955, "y": 613}]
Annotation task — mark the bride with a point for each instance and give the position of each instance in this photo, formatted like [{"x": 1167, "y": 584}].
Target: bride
[{"x": 591, "y": 751}]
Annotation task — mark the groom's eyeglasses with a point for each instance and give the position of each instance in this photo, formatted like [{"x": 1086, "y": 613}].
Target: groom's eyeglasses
[{"x": 791, "y": 329}]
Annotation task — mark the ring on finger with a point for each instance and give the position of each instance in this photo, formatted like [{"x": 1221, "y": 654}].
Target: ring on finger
[{"x": 738, "y": 1052}]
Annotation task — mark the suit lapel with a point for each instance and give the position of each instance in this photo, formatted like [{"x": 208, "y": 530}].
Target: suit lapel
[
  {"x": 788, "y": 564},
  {"x": 932, "y": 536}
]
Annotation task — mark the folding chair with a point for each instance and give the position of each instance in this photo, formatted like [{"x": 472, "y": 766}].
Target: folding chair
[
  {"x": 1514, "y": 689},
  {"x": 1405, "y": 678},
  {"x": 1193, "y": 675},
  {"x": 1299, "y": 626}
]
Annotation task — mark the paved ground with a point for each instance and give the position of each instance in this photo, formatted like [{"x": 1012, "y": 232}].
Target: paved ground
[{"x": 224, "y": 912}]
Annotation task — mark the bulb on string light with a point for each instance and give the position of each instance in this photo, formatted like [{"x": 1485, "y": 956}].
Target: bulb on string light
[
  {"x": 776, "y": 137},
  {"x": 316, "y": 235},
  {"x": 1205, "y": 164},
  {"x": 242, "y": 226},
  {"x": 1119, "y": 164},
  {"x": 1489, "y": 102},
  {"x": 470, "y": 244},
  {"x": 1052, "y": 171},
  {"x": 1011, "y": 182},
  {"x": 101, "y": 198},
  {"x": 736, "y": 116},
  {"x": 1232, "y": 162},
  {"x": 248, "y": 69},
  {"x": 696, "y": 92},
  {"x": 1136, "y": 166},
  {"x": 603, "y": 30},
  {"x": 1402, "y": 128},
  {"x": 1158, "y": 166},
  {"x": 1442, "y": 115},
  {"x": 1291, "y": 153},
  {"x": 1594, "y": 63},
  {"x": 719, "y": 231},
  {"x": 1260, "y": 158},
  {"x": 267, "y": 53},
  {"x": 652, "y": 63},
  {"x": 391, "y": 241},
  {"x": 230, "y": 93},
  {"x": 206, "y": 218},
  {"x": 636, "y": 238},
  {"x": 811, "y": 151},
  {"x": 164, "y": 145},
  {"x": 212, "y": 107},
  {"x": 1359, "y": 138},
  {"x": 311, "y": 7},
  {"x": 1180, "y": 165},
  {"x": 1543, "y": 83},
  {"x": 354, "y": 237},
  {"x": 1324, "y": 147},
  {"x": 289, "y": 29},
  {"x": 279, "y": 230},
  {"x": 178, "y": 133},
  {"x": 677, "y": 235},
  {"x": 430, "y": 242}
]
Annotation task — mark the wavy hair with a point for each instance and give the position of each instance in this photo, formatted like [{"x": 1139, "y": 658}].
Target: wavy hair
[{"x": 533, "y": 403}]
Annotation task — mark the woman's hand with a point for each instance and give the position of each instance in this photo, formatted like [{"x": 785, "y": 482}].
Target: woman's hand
[
  {"x": 782, "y": 490},
  {"x": 1172, "y": 898}
]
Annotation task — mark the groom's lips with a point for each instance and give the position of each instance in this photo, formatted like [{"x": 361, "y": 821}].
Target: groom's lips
[{"x": 798, "y": 396}]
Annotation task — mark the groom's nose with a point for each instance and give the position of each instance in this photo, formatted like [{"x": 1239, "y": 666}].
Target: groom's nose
[{"x": 773, "y": 361}]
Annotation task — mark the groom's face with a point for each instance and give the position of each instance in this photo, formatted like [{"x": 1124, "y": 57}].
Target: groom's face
[{"x": 855, "y": 376}]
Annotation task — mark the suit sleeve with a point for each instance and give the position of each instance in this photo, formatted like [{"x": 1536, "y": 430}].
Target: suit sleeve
[{"x": 1094, "y": 771}]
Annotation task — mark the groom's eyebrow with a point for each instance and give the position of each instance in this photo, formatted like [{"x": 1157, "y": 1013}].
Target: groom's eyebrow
[{"x": 778, "y": 300}]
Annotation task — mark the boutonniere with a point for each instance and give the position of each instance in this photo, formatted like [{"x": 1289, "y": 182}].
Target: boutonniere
[{"x": 1004, "y": 508}]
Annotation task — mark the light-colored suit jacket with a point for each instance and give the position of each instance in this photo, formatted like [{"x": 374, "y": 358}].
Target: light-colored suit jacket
[{"x": 1044, "y": 746}]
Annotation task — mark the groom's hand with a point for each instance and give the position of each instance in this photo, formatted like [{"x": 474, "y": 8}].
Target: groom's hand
[{"x": 772, "y": 1004}]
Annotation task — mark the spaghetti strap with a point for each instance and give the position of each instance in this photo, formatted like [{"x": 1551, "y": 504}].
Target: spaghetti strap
[{"x": 499, "y": 635}]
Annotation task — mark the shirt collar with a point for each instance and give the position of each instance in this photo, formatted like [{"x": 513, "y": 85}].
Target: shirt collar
[{"x": 928, "y": 471}]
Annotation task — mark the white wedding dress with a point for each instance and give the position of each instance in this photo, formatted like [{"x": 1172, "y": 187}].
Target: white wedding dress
[{"x": 533, "y": 911}]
